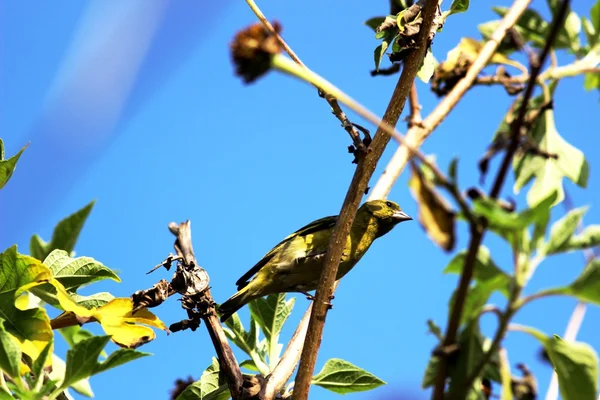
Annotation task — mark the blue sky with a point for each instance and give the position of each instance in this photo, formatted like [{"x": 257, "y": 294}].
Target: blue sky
[{"x": 134, "y": 104}]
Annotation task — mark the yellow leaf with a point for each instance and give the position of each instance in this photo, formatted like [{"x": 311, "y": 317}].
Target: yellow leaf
[
  {"x": 435, "y": 215},
  {"x": 116, "y": 318},
  {"x": 467, "y": 50}
]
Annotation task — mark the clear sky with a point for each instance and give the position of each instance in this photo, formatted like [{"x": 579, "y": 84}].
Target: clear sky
[{"x": 134, "y": 103}]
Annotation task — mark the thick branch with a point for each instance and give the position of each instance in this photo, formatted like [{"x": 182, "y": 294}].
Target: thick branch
[{"x": 364, "y": 171}]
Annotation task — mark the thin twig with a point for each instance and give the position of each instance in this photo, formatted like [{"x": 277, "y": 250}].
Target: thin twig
[
  {"x": 335, "y": 107},
  {"x": 364, "y": 171},
  {"x": 416, "y": 135}
]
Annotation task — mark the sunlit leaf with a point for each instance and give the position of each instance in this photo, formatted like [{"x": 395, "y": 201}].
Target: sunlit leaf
[
  {"x": 374, "y": 22},
  {"x": 342, "y": 377},
  {"x": 127, "y": 329},
  {"x": 82, "y": 359},
  {"x": 10, "y": 353},
  {"x": 459, "y": 6},
  {"x": 548, "y": 172},
  {"x": 74, "y": 273},
  {"x": 65, "y": 234},
  {"x": 7, "y": 167},
  {"x": 31, "y": 327},
  {"x": 562, "y": 230},
  {"x": 486, "y": 271},
  {"x": 575, "y": 363},
  {"x": 208, "y": 387},
  {"x": 427, "y": 67},
  {"x": 57, "y": 374}
]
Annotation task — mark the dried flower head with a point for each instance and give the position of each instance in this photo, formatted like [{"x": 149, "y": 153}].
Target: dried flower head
[{"x": 252, "y": 50}]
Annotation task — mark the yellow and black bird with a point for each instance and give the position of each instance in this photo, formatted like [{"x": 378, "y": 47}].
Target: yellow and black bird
[{"x": 295, "y": 264}]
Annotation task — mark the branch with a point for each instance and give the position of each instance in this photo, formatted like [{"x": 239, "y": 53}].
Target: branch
[
  {"x": 284, "y": 369},
  {"x": 416, "y": 135},
  {"x": 228, "y": 364},
  {"x": 335, "y": 107},
  {"x": 477, "y": 235},
  {"x": 364, "y": 171}
]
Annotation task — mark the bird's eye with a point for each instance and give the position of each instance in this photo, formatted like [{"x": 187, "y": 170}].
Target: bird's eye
[{"x": 388, "y": 203}]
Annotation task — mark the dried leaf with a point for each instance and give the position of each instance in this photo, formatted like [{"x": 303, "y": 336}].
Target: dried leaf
[{"x": 435, "y": 214}]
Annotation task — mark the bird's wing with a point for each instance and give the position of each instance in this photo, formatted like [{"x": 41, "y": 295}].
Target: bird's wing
[{"x": 315, "y": 226}]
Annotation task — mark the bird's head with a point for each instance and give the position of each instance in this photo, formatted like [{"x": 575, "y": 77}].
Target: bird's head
[{"x": 386, "y": 213}]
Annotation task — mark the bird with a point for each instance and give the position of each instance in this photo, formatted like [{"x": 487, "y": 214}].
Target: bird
[{"x": 295, "y": 264}]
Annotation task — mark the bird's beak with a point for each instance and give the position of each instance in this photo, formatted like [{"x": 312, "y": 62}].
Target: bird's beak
[{"x": 400, "y": 216}]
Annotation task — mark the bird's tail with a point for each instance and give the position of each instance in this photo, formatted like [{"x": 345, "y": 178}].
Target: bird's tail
[{"x": 237, "y": 301}]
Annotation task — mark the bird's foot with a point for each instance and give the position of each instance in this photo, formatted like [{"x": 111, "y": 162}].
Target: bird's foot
[{"x": 312, "y": 298}]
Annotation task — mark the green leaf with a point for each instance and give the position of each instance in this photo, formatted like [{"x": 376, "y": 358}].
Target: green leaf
[
  {"x": 595, "y": 17},
  {"x": 590, "y": 31},
  {"x": 379, "y": 52},
  {"x": 562, "y": 230},
  {"x": 459, "y": 6},
  {"x": 590, "y": 237},
  {"x": 575, "y": 363},
  {"x": 549, "y": 172},
  {"x": 10, "y": 353},
  {"x": 427, "y": 67},
  {"x": 270, "y": 313},
  {"x": 74, "y": 273},
  {"x": 64, "y": 236},
  {"x": 82, "y": 359},
  {"x": 571, "y": 29},
  {"x": 37, "y": 247},
  {"x": 38, "y": 365},
  {"x": 485, "y": 269},
  {"x": 119, "y": 357},
  {"x": 587, "y": 286},
  {"x": 341, "y": 377},
  {"x": 94, "y": 300},
  {"x": 374, "y": 22},
  {"x": 452, "y": 169},
  {"x": 500, "y": 219},
  {"x": 534, "y": 27},
  {"x": 7, "y": 167},
  {"x": 471, "y": 343},
  {"x": 489, "y": 278},
  {"x": 591, "y": 81},
  {"x": 208, "y": 387},
  {"x": 250, "y": 365},
  {"x": 74, "y": 334},
  {"x": 18, "y": 273},
  {"x": 238, "y": 335},
  {"x": 57, "y": 375},
  {"x": 430, "y": 372}
]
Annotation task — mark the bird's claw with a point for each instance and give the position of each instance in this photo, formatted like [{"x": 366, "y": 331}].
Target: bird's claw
[{"x": 328, "y": 303}]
